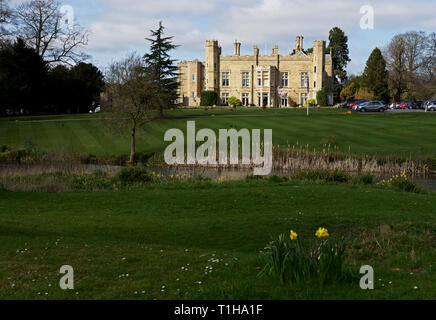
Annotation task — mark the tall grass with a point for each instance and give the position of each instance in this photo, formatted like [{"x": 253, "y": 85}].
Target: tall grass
[{"x": 289, "y": 159}]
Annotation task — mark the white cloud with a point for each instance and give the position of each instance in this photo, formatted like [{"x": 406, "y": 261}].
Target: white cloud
[{"x": 122, "y": 25}]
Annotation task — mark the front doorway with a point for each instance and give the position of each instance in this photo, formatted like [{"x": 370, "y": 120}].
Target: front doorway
[{"x": 263, "y": 100}]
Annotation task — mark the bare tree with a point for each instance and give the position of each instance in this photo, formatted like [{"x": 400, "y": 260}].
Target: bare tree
[
  {"x": 39, "y": 23},
  {"x": 129, "y": 97},
  {"x": 411, "y": 60},
  {"x": 395, "y": 55},
  {"x": 4, "y": 17}
]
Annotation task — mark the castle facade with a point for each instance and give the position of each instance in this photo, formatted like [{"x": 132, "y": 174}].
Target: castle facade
[{"x": 273, "y": 80}]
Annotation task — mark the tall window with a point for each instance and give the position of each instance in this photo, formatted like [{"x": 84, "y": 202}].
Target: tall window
[
  {"x": 304, "y": 79},
  {"x": 284, "y": 102},
  {"x": 225, "y": 97},
  {"x": 245, "y": 79},
  {"x": 245, "y": 99},
  {"x": 265, "y": 78},
  {"x": 193, "y": 77},
  {"x": 226, "y": 79},
  {"x": 285, "y": 79}
]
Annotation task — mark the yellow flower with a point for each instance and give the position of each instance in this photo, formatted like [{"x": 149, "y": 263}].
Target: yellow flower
[
  {"x": 293, "y": 235},
  {"x": 321, "y": 233}
]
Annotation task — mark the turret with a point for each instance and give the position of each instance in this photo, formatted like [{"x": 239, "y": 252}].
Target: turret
[{"x": 213, "y": 52}]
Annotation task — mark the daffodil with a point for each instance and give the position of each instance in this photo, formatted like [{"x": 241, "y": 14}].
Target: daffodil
[
  {"x": 293, "y": 235},
  {"x": 321, "y": 233}
]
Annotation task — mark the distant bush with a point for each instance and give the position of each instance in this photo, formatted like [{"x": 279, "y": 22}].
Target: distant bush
[
  {"x": 312, "y": 102},
  {"x": 234, "y": 102},
  {"x": 4, "y": 148},
  {"x": 99, "y": 180},
  {"x": 324, "y": 175},
  {"x": 277, "y": 179},
  {"x": 208, "y": 98},
  {"x": 133, "y": 175},
  {"x": 402, "y": 183},
  {"x": 364, "y": 178},
  {"x": 321, "y": 98}
]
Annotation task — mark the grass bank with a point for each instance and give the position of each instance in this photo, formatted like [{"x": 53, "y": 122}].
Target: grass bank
[{"x": 189, "y": 240}]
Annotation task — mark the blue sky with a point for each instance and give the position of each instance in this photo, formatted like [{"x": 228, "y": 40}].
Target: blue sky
[{"x": 119, "y": 26}]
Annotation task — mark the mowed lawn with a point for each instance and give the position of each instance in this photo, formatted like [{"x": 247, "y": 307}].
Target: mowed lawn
[
  {"x": 188, "y": 241},
  {"x": 399, "y": 134}
]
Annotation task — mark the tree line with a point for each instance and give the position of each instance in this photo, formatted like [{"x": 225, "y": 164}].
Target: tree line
[
  {"x": 404, "y": 70},
  {"x": 43, "y": 68}
]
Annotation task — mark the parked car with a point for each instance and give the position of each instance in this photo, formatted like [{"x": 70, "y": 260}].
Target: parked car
[
  {"x": 371, "y": 106},
  {"x": 416, "y": 105},
  {"x": 431, "y": 106},
  {"x": 355, "y": 102},
  {"x": 426, "y": 105}
]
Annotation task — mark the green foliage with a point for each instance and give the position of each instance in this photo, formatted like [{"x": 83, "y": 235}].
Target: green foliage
[
  {"x": 338, "y": 44},
  {"x": 277, "y": 179},
  {"x": 235, "y": 102},
  {"x": 364, "y": 93},
  {"x": 324, "y": 175},
  {"x": 401, "y": 183},
  {"x": 162, "y": 68},
  {"x": 364, "y": 178},
  {"x": 23, "y": 74},
  {"x": 208, "y": 98},
  {"x": 375, "y": 76},
  {"x": 337, "y": 89},
  {"x": 321, "y": 98},
  {"x": 290, "y": 262},
  {"x": 349, "y": 92},
  {"x": 133, "y": 175},
  {"x": 99, "y": 180}
]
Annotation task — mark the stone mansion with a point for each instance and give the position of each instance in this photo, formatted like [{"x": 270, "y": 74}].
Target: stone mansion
[{"x": 258, "y": 80}]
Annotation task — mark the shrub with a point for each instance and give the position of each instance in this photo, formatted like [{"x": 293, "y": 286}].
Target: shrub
[
  {"x": 208, "y": 98},
  {"x": 324, "y": 175},
  {"x": 4, "y": 148},
  {"x": 235, "y": 102},
  {"x": 99, "y": 180},
  {"x": 321, "y": 98},
  {"x": 277, "y": 179},
  {"x": 312, "y": 102},
  {"x": 401, "y": 183},
  {"x": 364, "y": 178},
  {"x": 133, "y": 175}
]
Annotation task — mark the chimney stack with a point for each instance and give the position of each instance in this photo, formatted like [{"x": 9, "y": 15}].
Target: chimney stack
[
  {"x": 237, "y": 48},
  {"x": 299, "y": 44}
]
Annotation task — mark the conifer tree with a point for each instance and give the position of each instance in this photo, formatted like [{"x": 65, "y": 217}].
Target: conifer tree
[
  {"x": 161, "y": 68},
  {"x": 375, "y": 76}
]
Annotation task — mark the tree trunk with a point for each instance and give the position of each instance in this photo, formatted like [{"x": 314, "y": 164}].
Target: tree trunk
[{"x": 132, "y": 146}]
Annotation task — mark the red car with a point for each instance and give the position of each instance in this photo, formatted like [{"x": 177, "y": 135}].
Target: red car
[{"x": 350, "y": 106}]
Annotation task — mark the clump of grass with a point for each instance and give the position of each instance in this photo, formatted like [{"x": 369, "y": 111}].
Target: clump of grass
[
  {"x": 99, "y": 180},
  {"x": 364, "y": 178},
  {"x": 277, "y": 179},
  {"x": 401, "y": 183},
  {"x": 289, "y": 261},
  {"x": 134, "y": 175},
  {"x": 322, "y": 175}
]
